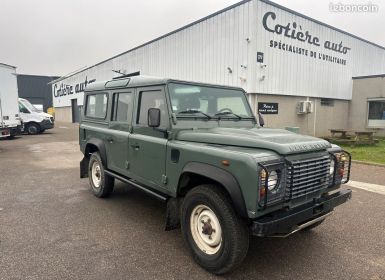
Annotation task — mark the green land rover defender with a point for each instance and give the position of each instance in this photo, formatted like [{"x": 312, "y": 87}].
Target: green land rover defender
[{"x": 199, "y": 148}]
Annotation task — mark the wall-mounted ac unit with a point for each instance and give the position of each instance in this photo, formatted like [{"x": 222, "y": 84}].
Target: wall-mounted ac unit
[{"x": 305, "y": 107}]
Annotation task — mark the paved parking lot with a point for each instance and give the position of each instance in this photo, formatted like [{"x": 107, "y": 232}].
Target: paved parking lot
[{"x": 52, "y": 227}]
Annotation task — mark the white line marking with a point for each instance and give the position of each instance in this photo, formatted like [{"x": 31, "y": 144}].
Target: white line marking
[
  {"x": 367, "y": 187},
  {"x": 63, "y": 127}
]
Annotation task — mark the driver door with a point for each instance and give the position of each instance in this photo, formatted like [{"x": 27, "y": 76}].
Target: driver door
[{"x": 147, "y": 144}]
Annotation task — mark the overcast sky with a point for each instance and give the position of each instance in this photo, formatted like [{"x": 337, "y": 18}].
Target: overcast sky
[{"x": 52, "y": 37}]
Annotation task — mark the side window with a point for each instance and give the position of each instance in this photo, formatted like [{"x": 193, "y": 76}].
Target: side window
[
  {"x": 152, "y": 99},
  {"x": 22, "y": 109},
  {"x": 122, "y": 110},
  {"x": 96, "y": 105}
]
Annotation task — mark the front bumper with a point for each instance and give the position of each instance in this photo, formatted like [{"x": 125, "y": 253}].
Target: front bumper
[
  {"x": 286, "y": 222},
  {"x": 47, "y": 124}
]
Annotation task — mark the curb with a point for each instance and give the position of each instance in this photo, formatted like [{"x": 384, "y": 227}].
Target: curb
[{"x": 369, "y": 163}]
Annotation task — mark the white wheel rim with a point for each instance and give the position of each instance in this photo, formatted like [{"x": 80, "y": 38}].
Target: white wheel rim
[
  {"x": 206, "y": 229},
  {"x": 96, "y": 174}
]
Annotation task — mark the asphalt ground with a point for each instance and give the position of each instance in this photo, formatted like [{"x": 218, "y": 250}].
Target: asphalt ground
[{"x": 52, "y": 227}]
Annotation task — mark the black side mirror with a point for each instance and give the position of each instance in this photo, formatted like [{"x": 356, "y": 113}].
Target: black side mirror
[
  {"x": 261, "y": 120},
  {"x": 153, "y": 117}
]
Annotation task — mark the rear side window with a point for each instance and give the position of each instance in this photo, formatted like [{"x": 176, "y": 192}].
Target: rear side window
[
  {"x": 122, "y": 110},
  {"x": 96, "y": 105}
]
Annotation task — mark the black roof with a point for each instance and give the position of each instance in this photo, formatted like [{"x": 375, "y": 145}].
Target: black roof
[
  {"x": 369, "y": 76},
  {"x": 8, "y": 65}
]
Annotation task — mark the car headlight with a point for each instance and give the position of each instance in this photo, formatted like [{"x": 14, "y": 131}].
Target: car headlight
[
  {"x": 272, "y": 183},
  {"x": 332, "y": 166},
  {"x": 340, "y": 168}
]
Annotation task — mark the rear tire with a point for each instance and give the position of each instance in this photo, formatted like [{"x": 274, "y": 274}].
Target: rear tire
[
  {"x": 101, "y": 184},
  {"x": 33, "y": 128},
  {"x": 217, "y": 238}
]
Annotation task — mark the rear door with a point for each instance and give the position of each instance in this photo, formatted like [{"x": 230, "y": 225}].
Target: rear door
[
  {"x": 120, "y": 130},
  {"x": 147, "y": 144}
]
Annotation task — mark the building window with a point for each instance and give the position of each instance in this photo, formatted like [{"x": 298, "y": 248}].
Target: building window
[
  {"x": 376, "y": 113},
  {"x": 96, "y": 105},
  {"x": 327, "y": 102}
]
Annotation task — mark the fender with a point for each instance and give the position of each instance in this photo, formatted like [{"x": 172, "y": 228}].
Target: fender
[
  {"x": 101, "y": 147},
  {"x": 225, "y": 178},
  {"x": 85, "y": 161}
]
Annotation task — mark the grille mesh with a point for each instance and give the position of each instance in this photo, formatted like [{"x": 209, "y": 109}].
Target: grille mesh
[{"x": 307, "y": 176}]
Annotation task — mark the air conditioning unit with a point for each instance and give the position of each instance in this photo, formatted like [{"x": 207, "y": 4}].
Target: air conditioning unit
[{"x": 305, "y": 107}]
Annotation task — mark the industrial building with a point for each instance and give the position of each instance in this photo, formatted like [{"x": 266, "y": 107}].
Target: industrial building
[
  {"x": 299, "y": 72},
  {"x": 36, "y": 89}
]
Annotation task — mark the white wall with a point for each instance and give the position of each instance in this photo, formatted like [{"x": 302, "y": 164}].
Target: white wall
[
  {"x": 9, "y": 95},
  {"x": 204, "y": 51}
]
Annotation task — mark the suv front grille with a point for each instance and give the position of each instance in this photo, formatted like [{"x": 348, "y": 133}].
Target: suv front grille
[{"x": 307, "y": 176}]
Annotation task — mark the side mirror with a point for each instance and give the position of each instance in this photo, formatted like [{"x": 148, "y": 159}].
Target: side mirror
[
  {"x": 261, "y": 120},
  {"x": 153, "y": 117}
]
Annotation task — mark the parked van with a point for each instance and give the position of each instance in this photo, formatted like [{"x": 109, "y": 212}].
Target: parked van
[{"x": 35, "y": 122}]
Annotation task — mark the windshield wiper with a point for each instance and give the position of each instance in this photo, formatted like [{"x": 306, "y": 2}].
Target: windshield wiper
[
  {"x": 194, "y": 112},
  {"x": 228, "y": 113}
]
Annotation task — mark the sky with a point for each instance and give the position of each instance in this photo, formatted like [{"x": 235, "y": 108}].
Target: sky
[{"x": 52, "y": 37}]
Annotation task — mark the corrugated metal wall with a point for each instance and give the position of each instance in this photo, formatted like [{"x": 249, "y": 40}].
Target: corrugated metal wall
[
  {"x": 206, "y": 50},
  {"x": 288, "y": 73}
]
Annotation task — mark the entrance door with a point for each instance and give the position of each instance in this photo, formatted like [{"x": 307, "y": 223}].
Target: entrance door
[
  {"x": 148, "y": 145},
  {"x": 75, "y": 110}
]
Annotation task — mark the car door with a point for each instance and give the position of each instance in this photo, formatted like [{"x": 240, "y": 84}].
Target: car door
[
  {"x": 148, "y": 144},
  {"x": 119, "y": 132}
]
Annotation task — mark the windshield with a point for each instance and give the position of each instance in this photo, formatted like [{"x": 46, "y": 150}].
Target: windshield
[
  {"x": 29, "y": 106},
  {"x": 208, "y": 102}
]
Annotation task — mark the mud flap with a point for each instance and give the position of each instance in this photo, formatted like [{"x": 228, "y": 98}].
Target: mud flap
[
  {"x": 84, "y": 167},
  {"x": 173, "y": 213}
]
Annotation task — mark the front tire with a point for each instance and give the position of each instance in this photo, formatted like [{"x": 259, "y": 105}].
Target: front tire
[
  {"x": 216, "y": 236},
  {"x": 101, "y": 184},
  {"x": 33, "y": 128}
]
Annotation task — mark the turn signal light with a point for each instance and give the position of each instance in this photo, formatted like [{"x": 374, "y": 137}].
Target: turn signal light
[
  {"x": 225, "y": 162},
  {"x": 262, "y": 192}
]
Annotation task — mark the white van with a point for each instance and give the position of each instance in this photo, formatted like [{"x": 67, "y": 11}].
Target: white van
[{"x": 35, "y": 122}]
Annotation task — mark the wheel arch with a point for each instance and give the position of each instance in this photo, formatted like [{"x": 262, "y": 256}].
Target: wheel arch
[
  {"x": 92, "y": 145},
  {"x": 33, "y": 122},
  {"x": 196, "y": 173}
]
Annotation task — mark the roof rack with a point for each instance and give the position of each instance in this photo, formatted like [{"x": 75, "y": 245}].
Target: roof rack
[{"x": 127, "y": 75}]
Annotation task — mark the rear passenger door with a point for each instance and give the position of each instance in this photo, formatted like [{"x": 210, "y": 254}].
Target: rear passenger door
[{"x": 120, "y": 130}]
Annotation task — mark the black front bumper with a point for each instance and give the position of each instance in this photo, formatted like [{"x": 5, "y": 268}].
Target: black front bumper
[
  {"x": 285, "y": 222},
  {"x": 46, "y": 124}
]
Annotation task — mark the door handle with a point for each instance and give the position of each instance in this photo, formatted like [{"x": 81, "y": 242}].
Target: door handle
[{"x": 135, "y": 146}]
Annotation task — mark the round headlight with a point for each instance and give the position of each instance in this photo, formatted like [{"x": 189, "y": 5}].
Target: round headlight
[
  {"x": 331, "y": 170},
  {"x": 272, "y": 181}
]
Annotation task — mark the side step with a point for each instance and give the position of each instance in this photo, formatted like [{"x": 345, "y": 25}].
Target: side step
[{"x": 131, "y": 182}]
